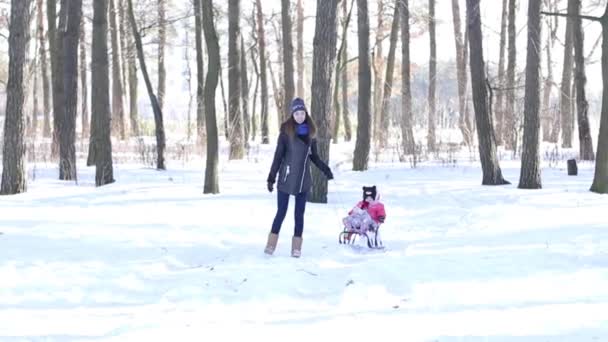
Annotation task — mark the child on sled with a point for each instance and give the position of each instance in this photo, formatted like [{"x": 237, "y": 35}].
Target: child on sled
[{"x": 365, "y": 218}]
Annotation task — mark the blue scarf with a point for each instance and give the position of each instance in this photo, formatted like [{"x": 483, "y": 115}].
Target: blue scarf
[{"x": 302, "y": 129}]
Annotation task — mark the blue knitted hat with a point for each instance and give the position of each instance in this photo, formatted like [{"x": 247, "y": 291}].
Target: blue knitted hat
[{"x": 298, "y": 104}]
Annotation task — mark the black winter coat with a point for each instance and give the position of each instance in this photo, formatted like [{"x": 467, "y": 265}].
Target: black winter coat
[{"x": 292, "y": 159}]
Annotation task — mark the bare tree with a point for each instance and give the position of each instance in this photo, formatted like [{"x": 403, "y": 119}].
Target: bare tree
[
  {"x": 118, "y": 111},
  {"x": 213, "y": 69},
  {"x": 388, "y": 79},
  {"x": 158, "y": 113},
  {"x": 431, "y": 139},
  {"x": 133, "y": 81},
  {"x": 565, "y": 99},
  {"x": 46, "y": 126},
  {"x": 100, "y": 147},
  {"x": 200, "y": 71},
  {"x": 500, "y": 105},
  {"x": 263, "y": 75},
  {"x": 55, "y": 41},
  {"x": 530, "y": 177},
  {"x": 237, "y": 145},
  {"x": 287, "y": 57},
  {"x": 509, "y": 114},
  {"x": 14, "y": 179},
  {"x": 344, "y": 74},
  {"x": 67, "y": 138},
  {"x": 461, "y": 74},
  {"x": 300, "y": 50},
  {"x": 492, "y": 175},
  {"x": 407, "y": 126},
  {"x": 582, "y": 106},
  {"x": 245, "y": 94},
  {"x": 324, "y": 56},
  {"x": 84, "y": 92},
  {"x": 362, "y": 144},
  {"x": 162, "y": 41},
  {"x": 377, "y": 65}
]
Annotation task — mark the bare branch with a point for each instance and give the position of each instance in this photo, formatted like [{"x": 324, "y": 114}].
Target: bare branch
[{"x": 566, "y": 15}]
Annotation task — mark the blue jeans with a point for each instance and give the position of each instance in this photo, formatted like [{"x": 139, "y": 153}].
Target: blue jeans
[{"x": 282, "y": 205}]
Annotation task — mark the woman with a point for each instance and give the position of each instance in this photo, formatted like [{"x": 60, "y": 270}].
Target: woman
[{"x": 295, "y": 145}]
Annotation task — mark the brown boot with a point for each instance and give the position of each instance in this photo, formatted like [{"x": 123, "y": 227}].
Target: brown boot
[
  {"x": 271, "y": 244},
  {"x": 296, "y": 247}
]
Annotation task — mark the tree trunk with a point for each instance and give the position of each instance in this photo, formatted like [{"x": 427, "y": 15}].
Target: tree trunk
[
  {"x": 158, "y": 114},
  {"x": 407, "y": 127},
  {"x": 431, "y": 139},
  {"x": 245, "y": 94},
  {"x": 388, "y": 80},
  {"x": 362, "y": 145},
  {"x": 461, "y": 75},
  {"x": 547, "y": 117},
  {"x": 300, "y": 54},
  {"x": 500, "y": 106},
  {"x": 84, "y": 87},
  {"x": 55, "y": 39},
  {"x": 67, "y": 147},
  {"x": 263, "y": 75},
  {"x": 324, "y": 57},
  {"x": 162, "y": 41},
  {"x": 378, "y": 65},
  {"x": 344, "y": 74},
  {"x": 530, "y": 177},
  {"x": 341, "y": 64},
  {"x": 237, "y": 145},
  {"x": 254, "y": 63},
  {"x": 492, "y": 174},
  {"x": 582, "y": 106},
  {"x": 122, "y": 29},
  {"x": 213, "y": 69},
  {"x": 100, "y": 146},
  {"x": 14, "y": 178},
  {"x": 565, "y": 100},
  {"x": 46, "y": 126},
  {"x": 118, "y": 111},
  {"x": 287, "y": 58},
  {"x": 509, "y": 114},
  {"x": 600, "y": 179},
  {"x": 200, "y": 72},
  {"x": 133, "y": 81}
]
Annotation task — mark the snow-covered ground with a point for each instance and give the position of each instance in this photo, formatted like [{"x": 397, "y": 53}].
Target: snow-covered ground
[{"x": 151, "y": 257}]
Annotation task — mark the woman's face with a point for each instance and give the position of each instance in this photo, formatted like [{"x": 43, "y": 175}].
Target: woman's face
[{"x": 299, "y": 116}]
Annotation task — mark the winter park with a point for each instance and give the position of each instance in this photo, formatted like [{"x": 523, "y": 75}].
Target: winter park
[{"x": 395, "y": 170}]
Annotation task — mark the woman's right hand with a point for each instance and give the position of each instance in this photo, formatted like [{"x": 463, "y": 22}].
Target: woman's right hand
[{"x": 270, "y": 186}]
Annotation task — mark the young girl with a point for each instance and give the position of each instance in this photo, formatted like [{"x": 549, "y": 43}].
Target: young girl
[
  {"x": 296, "y": 146},
  {"x": 367, "y": 215}
]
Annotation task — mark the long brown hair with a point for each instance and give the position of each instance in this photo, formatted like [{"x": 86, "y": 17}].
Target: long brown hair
[{"x": 290, "y": 126}]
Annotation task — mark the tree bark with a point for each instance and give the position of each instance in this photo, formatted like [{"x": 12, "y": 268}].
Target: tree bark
[
  {"x": 431, "y": 139},
  {"x": 324, "y": 56},
  {"x": 100, "y": 146},
  {"x": 500, "y": 96},
  {"x": 200, "y": 72},
  {"x": 245, "y": 94},
  {"x": 133, "y": 81},
  {"x": 530, "y": 175},
  {"x": 341, "y": 64},
  {"x": 14, "y": 178},
  {"x": 67, "y": 147},
  {"x": 211, "y": 185},
  {"x": 158, "y": 114},
  {"x": 582, "y": 106},
  {"x": 84, "y": 87},
  {"x": 46, "y": 126},
  {"x": 344, "y": 74},
  {"x": 162, "y": 41},
  {"x": 600, "y": 179},
  {"x": 565, "y": 98},
  {"x": 492, "y": 175},
  {"x": 122, "y": 29},
  {"x": 547, "y": 117},
  {"x": 461, "y": 75},
  {"x": 377, "y": 66},
  {"x": 362, "y": 144},
  {"x": 509, "y": 115},
  {"x": 388, "y": 80},
  {"x": 407, "y": 127},
  {"x": 55, "y": 39},
  {"x": 235, "y": 125},
  {"x": 118, "y": 111},
  {"x": 300, "y": 54},
  {"x": 263, "y": 75},
  {"x": 287, "y": 57}
]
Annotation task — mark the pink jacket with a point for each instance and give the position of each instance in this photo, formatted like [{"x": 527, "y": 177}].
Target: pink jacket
[{"x": 375, "y": 210}]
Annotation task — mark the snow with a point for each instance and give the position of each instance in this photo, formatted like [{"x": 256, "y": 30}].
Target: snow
[{"x": 151, "y": 257}]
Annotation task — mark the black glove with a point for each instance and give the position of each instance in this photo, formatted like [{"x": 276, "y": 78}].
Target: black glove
[
  {"x": 381, "y": 219},
  {"x": 328, "y": 174},
  {"x": 270, "y": 186}
]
